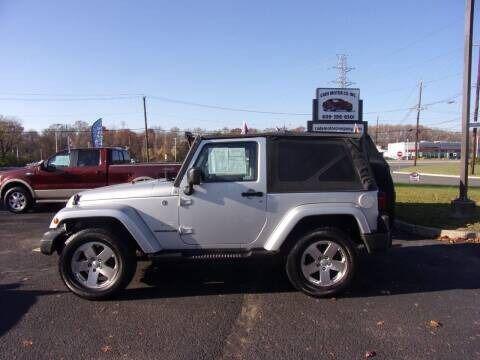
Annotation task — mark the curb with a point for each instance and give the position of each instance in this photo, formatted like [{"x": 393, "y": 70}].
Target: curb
[{"x": 432, "y": 232}]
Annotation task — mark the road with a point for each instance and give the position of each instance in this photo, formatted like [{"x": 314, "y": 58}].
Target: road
[
  {"x": 397, "y": 166},
  {"x": 244, "y": 311},
  {"x": 433, "y": 180}
]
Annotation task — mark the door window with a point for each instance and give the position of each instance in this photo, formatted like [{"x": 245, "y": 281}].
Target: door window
[
  {"x": 228, "y": 162},
  {"x": 60, "y": 160},
  {"x": 88, "y": 157}
]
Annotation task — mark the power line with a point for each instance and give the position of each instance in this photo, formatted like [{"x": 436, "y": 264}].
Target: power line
[
  {"x": 216, "y": 107},
  {"x": 69, "y": 99},
  {"x": 226, "y": 108}
]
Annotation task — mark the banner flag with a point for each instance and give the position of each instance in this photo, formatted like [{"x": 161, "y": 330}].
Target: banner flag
[{"x": 97, "y": 133}]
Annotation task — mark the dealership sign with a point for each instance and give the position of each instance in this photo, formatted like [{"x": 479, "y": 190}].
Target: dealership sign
[
  {"x": 337, "y": 127},
  {"x": 338, "y": 104}
]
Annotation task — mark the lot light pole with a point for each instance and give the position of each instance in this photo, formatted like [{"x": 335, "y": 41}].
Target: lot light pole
[{"x": 463, "y": 206}]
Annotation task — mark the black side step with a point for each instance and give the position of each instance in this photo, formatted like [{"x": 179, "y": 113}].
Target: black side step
[{"x": 212, "y": 254}]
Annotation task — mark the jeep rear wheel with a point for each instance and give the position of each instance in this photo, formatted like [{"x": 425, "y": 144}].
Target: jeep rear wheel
[
  {"x": 95, "y": 264},
  {"x": 17, "y": 200},
  {"x": 322, "y": 262}
]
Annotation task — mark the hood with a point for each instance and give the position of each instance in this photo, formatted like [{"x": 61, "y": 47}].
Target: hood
[
  {"x": 141, "y": 189},
  {"x": 17, "y": 173}
]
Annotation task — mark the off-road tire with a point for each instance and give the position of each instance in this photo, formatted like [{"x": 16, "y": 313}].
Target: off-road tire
[
  {"x": 296, "y": 256},
  {"x": 124, "y": 257}
]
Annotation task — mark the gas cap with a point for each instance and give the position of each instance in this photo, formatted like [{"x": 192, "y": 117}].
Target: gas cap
[{"x": 366, "y": 201}]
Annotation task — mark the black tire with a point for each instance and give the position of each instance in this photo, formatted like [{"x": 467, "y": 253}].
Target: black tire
[
  {"x": 124, "y": 258},
  {"x": 296, "y": 256},
  {"x": 12, "y": 198}
]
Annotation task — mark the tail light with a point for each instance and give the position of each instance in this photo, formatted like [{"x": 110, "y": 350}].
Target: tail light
[{"x": 382, "y": 201}]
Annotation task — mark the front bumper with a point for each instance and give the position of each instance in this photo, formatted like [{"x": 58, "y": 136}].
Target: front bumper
[
  {"x": 50, "y": 240},
  {"x": 380, "y": 240}
]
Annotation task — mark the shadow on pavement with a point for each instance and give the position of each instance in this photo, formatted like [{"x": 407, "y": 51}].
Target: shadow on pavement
[
  {"x": 418, "y": 269},
  {"x": 15, "y": 302},
  {"x": 198, "y": 278},
  {"x": 40, "y": 208},
  {"x": 407, "y": 269},
  {"x": 47, "y": 208}
]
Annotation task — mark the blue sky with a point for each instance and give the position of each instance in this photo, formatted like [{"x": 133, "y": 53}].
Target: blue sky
[{"x": 63, "y": 61}]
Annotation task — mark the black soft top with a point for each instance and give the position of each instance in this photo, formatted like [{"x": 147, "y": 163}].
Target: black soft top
[{"x": 283, "y": 135}]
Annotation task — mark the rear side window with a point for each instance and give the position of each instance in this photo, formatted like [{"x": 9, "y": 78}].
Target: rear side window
[
  {"x": 306, "y": 165},
  {"x": 88, "y": 157},
  {"x": 119, "y": 157},
  {"x": 126, "y": 157}
]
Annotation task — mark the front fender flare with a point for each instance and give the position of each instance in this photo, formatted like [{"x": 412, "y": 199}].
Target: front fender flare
[
  {"x": 292, "y": 217},
  {"x": 127, "y": 215}
]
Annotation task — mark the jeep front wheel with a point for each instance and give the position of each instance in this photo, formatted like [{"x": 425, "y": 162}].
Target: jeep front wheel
[
  {"x": 95, "y": 264},
  {"x": 322, "y": 262}
]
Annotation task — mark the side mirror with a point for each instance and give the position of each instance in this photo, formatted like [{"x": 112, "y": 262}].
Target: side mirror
[
  {"x": 47, "y": 167},
  {"x": 193, "y": 178},
  {"x": 44, "y": 166}
]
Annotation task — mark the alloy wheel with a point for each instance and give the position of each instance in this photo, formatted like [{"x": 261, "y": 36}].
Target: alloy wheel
[
  {"x": 324, "y": 263},
  {"x": 94, "y": 265},
  {"x": 17, "y": 201}
]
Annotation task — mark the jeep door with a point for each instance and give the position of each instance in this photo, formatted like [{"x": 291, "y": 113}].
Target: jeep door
[{"x": 228, "y": 207}]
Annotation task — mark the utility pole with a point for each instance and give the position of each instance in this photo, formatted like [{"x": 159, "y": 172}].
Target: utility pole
[
  {"x": 146, "y": 129},
  {"x": 56, "y": 140},
  {"x": 175, "y": 148},
  {"x": 463, "y": 206},
  {"x": 419, "y": 107},
  {"x": 376, "y": 133},
  {"x": 475, "y": 117}
]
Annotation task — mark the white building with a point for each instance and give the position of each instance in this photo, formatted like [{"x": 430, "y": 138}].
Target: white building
[{"x": 426, "y": 149}]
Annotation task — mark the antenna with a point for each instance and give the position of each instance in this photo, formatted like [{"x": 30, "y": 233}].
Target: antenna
[{"x": 342, "y": 70}]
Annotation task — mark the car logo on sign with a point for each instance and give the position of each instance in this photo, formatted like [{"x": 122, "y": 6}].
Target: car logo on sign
[{"x": 337, "y": 105}]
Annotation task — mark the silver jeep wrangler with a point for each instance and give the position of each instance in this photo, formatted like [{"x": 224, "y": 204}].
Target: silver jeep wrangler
[{"x": 311, "y": 199}]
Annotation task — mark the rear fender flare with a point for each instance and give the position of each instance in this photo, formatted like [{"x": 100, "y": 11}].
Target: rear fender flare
[{"x": 292, "y": 218}]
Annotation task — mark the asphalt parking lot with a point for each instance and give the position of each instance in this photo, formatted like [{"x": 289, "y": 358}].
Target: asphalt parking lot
[{"x": 245, "y": 311}]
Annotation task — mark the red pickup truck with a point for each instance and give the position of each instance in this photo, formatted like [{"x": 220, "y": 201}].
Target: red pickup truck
[{"x": 68, "y": 172}]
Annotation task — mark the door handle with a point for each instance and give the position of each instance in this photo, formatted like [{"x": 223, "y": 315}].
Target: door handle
[{"x": 252, "y": 193}]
